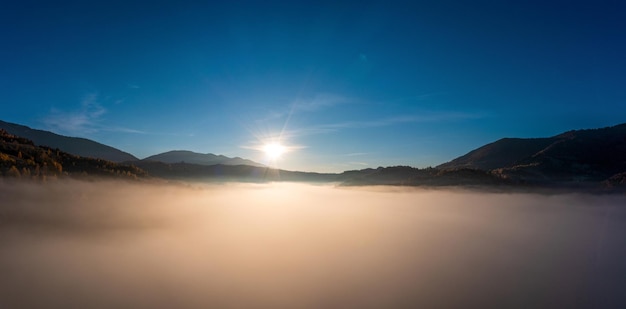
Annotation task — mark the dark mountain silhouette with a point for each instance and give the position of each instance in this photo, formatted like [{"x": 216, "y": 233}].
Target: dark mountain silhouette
[
  {"x": 184, "y": 156},
  {"x": 396, "y": 175},
  {"x": 593, "y": 159},
  {"x": 579, "y": 156},
  {"x": 501, "y": 153},
  {"x": 73, "y": 145},
  {"x": 410, "y": 176},
  {"x": 222, "y": 172},
  {"x": 21, "y": 158}
]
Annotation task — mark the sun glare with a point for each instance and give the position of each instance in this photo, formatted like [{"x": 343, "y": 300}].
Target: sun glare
[{"x": 274, "y": 150}]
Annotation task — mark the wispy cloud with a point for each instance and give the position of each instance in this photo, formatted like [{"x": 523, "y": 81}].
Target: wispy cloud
[
  {"x": 320, "y": 101},
  {"x": 82, "y": 121},
  {"x": 354, "y": 154},
  {"x": 390, "y": 121},
  {"x": 271, "y": 116},
  {"x": 121, "y": 129},
  {"x": 358, "y": 163},
  {"x": 86, "y": 120}
]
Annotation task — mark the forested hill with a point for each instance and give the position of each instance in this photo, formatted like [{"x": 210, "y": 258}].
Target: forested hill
[
  {"x": 73, "y": 145},
  {"x": 21, "y": 158}
]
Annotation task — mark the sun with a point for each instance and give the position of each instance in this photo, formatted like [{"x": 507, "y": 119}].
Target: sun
[{"x": 274, "y": 150}]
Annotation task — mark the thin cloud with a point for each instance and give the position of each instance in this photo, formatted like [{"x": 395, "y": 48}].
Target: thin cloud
[
  {"x": 271, "y": 116},
  {"x": 86, "y": 120},
  {"x": 81, "y": 121},
  {"x": 423, "y": 118},
  {"x": 358, "y": 163},
  {"x": 317, "y": 103},
  {"x": 123, "y": 130},
  {"x": 320, "y": 101}
]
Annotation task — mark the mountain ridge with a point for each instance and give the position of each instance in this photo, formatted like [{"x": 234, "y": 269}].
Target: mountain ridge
[
  {"x": 74, "y": 145},
  {"x": 21, "y": 159},
  {"x": 589, "y": 159},
  {"x": 89, "y": 148},
  {"x": 575, "y": 156},
  {"x": 508, "y": 151},
  {"x": 187, "y": 156}
]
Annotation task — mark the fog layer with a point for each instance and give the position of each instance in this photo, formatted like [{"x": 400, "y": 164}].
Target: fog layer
[{"x": 108, "y": 245}]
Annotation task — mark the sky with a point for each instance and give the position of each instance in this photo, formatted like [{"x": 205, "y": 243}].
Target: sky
[{"x": 344, "y": 85}]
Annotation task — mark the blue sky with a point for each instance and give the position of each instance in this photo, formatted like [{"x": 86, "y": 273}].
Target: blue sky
[{"x": 345, "y": 85}]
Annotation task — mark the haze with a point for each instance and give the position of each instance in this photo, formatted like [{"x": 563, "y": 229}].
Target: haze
[{"x": 111, "y": 245}]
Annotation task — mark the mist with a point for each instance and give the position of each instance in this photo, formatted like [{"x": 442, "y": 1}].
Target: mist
[{"x": 75, "y": 244}]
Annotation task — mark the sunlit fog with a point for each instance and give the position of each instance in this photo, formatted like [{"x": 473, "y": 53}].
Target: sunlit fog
[{"x": 111, "y": 245}]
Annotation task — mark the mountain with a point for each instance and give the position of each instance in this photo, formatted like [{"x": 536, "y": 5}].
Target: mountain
[
  {"x": 73, "y": 145},
  {"x": 21, "y": 158},
  {"x": 393, "y": 176},
  {"x": 592, "y": 159},
  {"x": 410, "y": 176},
  {"x": 184, "y": 156},
  {"x": 578, "y": 156},
  {"x": 501, "y": 153},
  {"x": 221, "y": 172}
]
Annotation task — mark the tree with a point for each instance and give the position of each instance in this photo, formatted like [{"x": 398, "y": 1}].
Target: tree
[
  {"x": 58, "y": 168},
  {"x": 14, "y": 172}
]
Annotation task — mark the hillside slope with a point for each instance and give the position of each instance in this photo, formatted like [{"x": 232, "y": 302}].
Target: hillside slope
[
  {"x": 501, "y": 153},
  {"x": 179, "y": 156},
  {"x": 21, "y": 158},
  {"x": 574, "y": 156},
  {"x": 73, "y": 145}
]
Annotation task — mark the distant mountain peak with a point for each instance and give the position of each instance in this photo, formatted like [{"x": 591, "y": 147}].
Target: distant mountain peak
[
  {"x": 186, "y": 156},
  {"x": 74, "y": 145}
]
